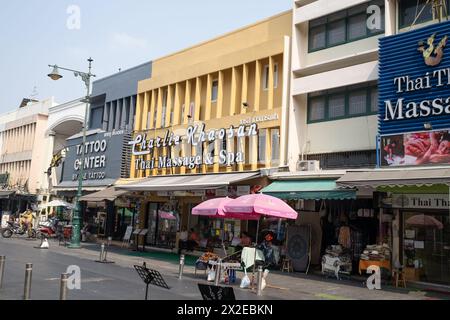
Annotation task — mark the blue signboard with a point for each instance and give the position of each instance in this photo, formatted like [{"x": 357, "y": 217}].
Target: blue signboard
[{"x": 414, "y": 97}]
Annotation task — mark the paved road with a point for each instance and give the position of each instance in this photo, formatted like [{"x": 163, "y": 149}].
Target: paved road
[{"x": 119, "y": 281}]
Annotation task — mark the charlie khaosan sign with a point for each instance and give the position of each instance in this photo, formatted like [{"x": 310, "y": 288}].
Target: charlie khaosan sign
[
  {"x": 194, "y": 136},
  {"x": 414, "y": 97}
]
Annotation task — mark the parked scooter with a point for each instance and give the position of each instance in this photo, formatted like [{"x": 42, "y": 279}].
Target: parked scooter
[
  {"x": 49, "y": 229},
  {"x": 15, "y": 228}
]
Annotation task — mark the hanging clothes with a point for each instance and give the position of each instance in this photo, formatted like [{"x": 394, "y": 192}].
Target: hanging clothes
[{"x": 344, "y": 238}]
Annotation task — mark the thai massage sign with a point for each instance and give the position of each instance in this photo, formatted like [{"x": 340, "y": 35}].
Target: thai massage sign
[
  {"x": 414, "y": 80},
  {"x": 414, "y": 97},
  {"x": 194, "y": 136}
]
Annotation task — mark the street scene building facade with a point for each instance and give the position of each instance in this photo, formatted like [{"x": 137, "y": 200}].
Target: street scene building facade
[
  {"x": 23, "y": 156},
  {"x": 338, "y": 110},
  {"x": 211, "y": 122},
  {"x": 349, "y": 111}
]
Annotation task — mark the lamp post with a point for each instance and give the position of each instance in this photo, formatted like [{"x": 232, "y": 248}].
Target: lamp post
[{"x": 76, "y": 216}]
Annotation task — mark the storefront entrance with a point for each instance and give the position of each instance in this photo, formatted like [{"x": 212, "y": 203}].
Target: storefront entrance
[
  {"x": 426, "y": 245},
  {"x": 124, "y": 217},
  {"x": 161, "y": 225}
]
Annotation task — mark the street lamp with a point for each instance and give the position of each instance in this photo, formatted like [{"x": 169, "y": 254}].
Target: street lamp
[{"x": 76, "y": 217}]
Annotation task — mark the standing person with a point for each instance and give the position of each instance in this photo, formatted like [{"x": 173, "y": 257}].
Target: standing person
[{"x": 183, "y": 240}]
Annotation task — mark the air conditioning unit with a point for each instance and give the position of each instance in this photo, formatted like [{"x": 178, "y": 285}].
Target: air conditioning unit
[{"x": 308, "y": 165}]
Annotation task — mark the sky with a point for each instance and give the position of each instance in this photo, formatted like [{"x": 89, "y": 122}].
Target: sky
[{"x": 117, "y": 34}]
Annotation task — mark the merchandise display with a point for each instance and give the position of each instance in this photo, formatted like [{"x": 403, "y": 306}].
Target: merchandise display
[
  {"x": 337, "y": 260},
  {"x": 376, "y": 253}
]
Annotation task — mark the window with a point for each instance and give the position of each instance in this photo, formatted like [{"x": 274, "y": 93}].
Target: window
[
  {"x": 262, "y": 146},
  {"x": 96, "y": 119},
  {"x": 343, "y": 26},
  {"x": 317, "y": 109},
  {"x": 336, "y": 106},
  {"x": 182, "y": 112},
  {"x": 164, "y": 109},
  {"x": 374, "y": 100},
  {"x": 266, "y": 76},
  {"x": 346, "y": 102},
  {"x": 357, "y": 101},
  {"x": 275, "y": 142},
  {"x": 275, "y": 75},
  {"x": 214, "y": 90},
  {"x": 409, "y": 9},
  {"x": 192, "y": 110}
]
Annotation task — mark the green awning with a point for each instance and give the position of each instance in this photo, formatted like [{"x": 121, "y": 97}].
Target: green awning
[
  {"x": 433, "y": 189},
  {"x": 308, "y": 190}
]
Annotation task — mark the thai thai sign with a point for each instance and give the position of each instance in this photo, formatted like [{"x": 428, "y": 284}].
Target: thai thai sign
[
  {"x": 414, "y": 80},
  {"x": 421, "y": 201},
  {"x": 178, "y": 147}
]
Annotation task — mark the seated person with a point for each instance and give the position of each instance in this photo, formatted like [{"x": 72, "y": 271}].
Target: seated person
[
  {"x": 246, "y": 241},
  {"x": 25, "y": 220},
  {"x": 193, "y": 241}
]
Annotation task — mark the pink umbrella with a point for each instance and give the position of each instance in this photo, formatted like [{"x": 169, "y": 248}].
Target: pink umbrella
[
  {"x": 214, "y": 208},
  {"x": 425, "y": 221},
  {"x": 166, "y": 215},
  {"x": 260, "y": 204},
  {"x": 211, "y": 208}
]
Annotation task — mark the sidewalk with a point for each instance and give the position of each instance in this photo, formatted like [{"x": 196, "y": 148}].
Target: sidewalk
[{"x": 287, "y": 286}]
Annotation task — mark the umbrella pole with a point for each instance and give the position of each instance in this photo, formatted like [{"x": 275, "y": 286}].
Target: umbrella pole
[{"x": 254, "y": 258}]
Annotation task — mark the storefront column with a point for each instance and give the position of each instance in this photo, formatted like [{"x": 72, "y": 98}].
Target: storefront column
[
  {"x": 244, "y": 88},
  {"x": 110, "y": 218},
  {"x": 396, "y": 237}
]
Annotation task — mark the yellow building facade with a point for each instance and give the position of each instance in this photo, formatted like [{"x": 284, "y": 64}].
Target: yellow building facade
[
  {"x": 238, "y": 79},
  {"x": 219, "y": 107}
]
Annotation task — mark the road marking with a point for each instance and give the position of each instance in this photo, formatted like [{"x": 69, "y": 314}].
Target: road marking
[
  {"x": 84, "y": 280},
  {"x": 331, "y": 296}
]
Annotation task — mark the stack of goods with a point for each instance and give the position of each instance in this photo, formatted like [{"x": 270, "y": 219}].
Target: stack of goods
[
  {"x": 337, "y": 260},
  {"x": 339, "y": 251},
  {"x": 203, "y": 262},
  {"x": 376, "y": 253}
]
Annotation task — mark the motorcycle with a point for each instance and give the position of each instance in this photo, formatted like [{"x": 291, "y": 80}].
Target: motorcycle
[
  {"x": 49, "y": 229},
  {"x": 15, "y": 228}
]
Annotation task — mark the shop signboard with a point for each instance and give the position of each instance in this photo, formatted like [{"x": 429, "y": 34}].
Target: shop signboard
[
  {"x": 421, "y": 201},
  {"x": 195, "y": 136},
  {"x": 104, "y": 157},
  {"x": 414, "y": 98}
]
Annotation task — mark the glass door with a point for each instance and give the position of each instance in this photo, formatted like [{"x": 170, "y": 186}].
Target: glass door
[
  {"x": 427, "y": 246},
  {"x": 152, "y": 223}
]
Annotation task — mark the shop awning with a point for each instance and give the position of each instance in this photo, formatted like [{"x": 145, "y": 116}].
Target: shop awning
[
  {"x": 109, "y": 194},
  {"x": 6, "y": 194},
  {"x": 395, "y": 177},
  {"x": 88, "y": 185},
  {"x": 308, "y": 190},
  {"x": 188, "y": 182}
]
